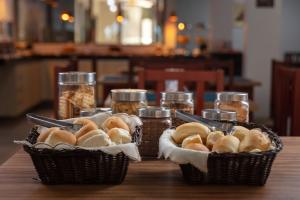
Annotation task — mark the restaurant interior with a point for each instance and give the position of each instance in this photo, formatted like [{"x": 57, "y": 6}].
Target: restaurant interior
[{"x": 250, "y": 48}]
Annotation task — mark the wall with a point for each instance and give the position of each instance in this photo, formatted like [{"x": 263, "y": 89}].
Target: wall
[
  {"x": 290, "y": 36},
  {"x": 262, "y": 39}
]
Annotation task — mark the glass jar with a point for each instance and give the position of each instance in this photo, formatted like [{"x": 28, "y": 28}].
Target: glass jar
[
  {"x": 155, "y": 121},
  {"x": 76, "y": 92},
  {"x": 128, "y": 100},
  {"x": 219, "y": 115},
  {"x": 234, "y": 101},
  {"x": 182, "y": 101}
]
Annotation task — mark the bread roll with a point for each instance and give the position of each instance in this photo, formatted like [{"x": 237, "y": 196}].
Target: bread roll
[
  {"x": 255, "y": 140},
  {"x": 213, "y": 137},
  {"x": 100, "y": 139},
  {"x": 88, "y": 135},
  {"x": 226, "y": 144},
  {"x": 88, "y": 125},
  {"x": 189, "y": 129},
  {"x": 43, "y": 135},
  {"x": 114, "y": 122},
  {"x": 61, "y": 136},
  {"x": 197, "y": 147},
  {"x": 240, "y": 132},
  {"x": 191, "y": 139},
  {"x": 119, "y": 136}
]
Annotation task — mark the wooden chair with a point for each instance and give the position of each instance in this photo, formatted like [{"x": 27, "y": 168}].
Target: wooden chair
[
  {"x": 72, "y": 66},
  {"x": 287, "y": 104},
  {"x": 199, "y": 77}
]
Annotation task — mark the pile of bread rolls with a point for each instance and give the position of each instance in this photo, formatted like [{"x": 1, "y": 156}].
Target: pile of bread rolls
[
  {"x": 198, "y": 137},
  {"x": 113, "y": 131}
]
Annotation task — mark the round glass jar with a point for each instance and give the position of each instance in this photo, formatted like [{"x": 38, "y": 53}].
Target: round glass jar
[
  {"x": 128, "y": 100},
  {"x": 155, "y": 121},
  {"x": 182, "y": 101},
  {"x": 234, "y": 101},
  {"x": 76, "y": 92},
  {"x": 219, "y": 115}
]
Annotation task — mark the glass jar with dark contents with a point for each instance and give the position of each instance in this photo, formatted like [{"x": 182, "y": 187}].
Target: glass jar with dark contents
[
  {"x": 155, "y": 121},
  {"x": 182, "y": 101}
]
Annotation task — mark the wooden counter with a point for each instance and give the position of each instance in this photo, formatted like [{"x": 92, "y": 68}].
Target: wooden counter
[{"x": 154, "y": 180}]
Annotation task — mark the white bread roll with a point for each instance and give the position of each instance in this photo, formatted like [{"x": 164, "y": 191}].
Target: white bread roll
[
  {"x": 240, "y": 132},
  {"x": 197, "y": 147},
  {"x": 255, "y": 140},
  {"x": 43, "y": 135},
  {"x": 88, "y": 125},
  {"x": 191, "y": 139},
  {"x": 119, "y": 136},
  {"x": 88, "y": 135},
  {"x": 189, "y": 129},
  {"x": 213, "y": 137},
  {"x": 98, "y": 140},
  {"x": 60, "y": 136},
  {"x": 226, "y": 144},
  {"x": 114, "y": 122}
]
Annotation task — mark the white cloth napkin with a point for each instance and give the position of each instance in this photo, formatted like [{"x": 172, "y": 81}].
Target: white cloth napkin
[{"x": 169, "y": 150}]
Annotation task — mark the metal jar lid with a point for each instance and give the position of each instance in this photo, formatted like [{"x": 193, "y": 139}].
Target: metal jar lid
[
  {"x": 232, "y": 96},
  {"x": 176, "y": 96},
  {"x": 70, "y": 78},
  {"x": 128, "y": 95},
  {"x": 154, "y": 112},
  {"x": 216, "y": 114}
]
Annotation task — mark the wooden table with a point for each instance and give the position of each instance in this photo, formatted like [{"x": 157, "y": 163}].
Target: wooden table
[{"x": 154, "y": 179}]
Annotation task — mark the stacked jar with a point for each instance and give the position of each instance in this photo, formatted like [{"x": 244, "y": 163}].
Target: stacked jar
[
  {"x": 236, "y": 102},
  {"x": 155, "y": 121},
  {"x": 128, "y": 100},
  {"x": 182, "y": 101},
  {"x": 76, "y": 92}
]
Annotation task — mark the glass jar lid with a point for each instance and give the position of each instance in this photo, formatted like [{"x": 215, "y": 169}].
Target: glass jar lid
[
  {"x": 154, "y": 112},
  {"x": 70, "y": 78},
  {"x": 128, "y": 95},
  {"x": 232, "y": 96},
  {"x": 176, "y": 96},
  {"x": 216, "y": 114}
]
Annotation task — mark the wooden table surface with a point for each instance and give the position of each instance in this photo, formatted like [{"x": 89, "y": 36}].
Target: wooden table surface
[{"x": 154, "y": 180}]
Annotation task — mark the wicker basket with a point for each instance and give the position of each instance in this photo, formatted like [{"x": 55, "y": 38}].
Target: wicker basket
[
  {"x": 235, "y": 168},
  {"x": 78, "y": 166}
]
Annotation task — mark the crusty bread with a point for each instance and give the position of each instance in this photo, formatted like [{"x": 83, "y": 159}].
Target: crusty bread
[
  {"x": 189, "y": 129},
  {"x": 96, "y": 139},
  {"x": 88, "y": 125},
  {"x": 226, "y": 144},
  {"x": 114, "y": 122},
  {"x": 43, "y": 135},
  {"x": 191, "y": 139},
  {"x": 61, "y": 136},
  {"x": 213, "y": 137},
  {"x": 255, "y": 140},
  {"x": 89, "y": 134},
  {"x": 197, "y": 147},
  {"x": 119, "y": 136},
  {"x": 240, "y": 132}
]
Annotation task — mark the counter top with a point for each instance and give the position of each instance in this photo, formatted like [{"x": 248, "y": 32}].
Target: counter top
[{"x": 154, "y": 179}]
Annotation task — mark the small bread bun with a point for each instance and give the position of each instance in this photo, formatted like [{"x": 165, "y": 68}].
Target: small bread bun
[
  {"x": 226, "y": 144},
  {"x": 119, "y": 136},
  {"x": 87, "y": 126},
  {"x": 197, "y": 147},
  {"x": 188, "y": 129},
  {"x": 191, "y": 139},
  {"x": 114, "y": 122},
  {"x": 61, "y": 136},
  {"x": 213, "y": 137},
  {"x": 89, "y": 134},
  {"x": 43, "y": 135},
  {"x": 255, "y": 140},
  {"x": 240, "y": 132},
  {"x": 95, "y": 138}
]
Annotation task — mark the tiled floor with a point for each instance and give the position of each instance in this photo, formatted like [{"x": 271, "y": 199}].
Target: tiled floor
[{"x": 15, "y": 129}]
